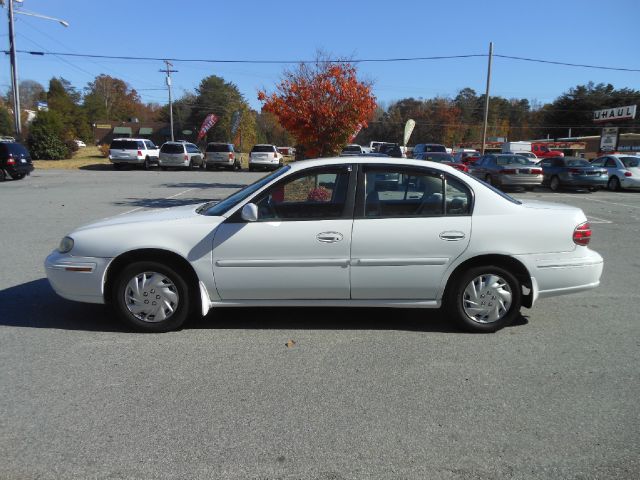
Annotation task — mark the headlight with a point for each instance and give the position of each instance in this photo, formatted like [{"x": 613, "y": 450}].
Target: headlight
[{"x": 66, "y": 244}]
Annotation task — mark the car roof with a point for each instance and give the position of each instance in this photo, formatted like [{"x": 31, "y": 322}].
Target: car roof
[
  {"x": 132, "y": 139},
  {"x": 303, "y": 164}
]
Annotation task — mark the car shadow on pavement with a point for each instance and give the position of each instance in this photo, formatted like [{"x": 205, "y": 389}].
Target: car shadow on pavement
[
  {"x": 97, "y": 166},
  {"x": 160, "y": 202},
  {"x": 35, "y": 305}
]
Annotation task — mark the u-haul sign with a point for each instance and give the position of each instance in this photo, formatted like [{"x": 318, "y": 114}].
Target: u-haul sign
[{"x": 617, "y": 113}]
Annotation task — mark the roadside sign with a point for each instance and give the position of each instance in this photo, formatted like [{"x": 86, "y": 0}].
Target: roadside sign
[
  {"x": 609, "y": 139},
  {"x": 617, "y": 113}
]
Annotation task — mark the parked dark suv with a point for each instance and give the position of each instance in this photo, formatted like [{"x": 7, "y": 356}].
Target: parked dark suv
[{"x": 14, "y": 161}]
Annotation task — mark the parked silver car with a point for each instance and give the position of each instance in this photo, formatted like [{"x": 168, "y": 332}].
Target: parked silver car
[
  {"x": 623, "y": 171},
  {"x": 180, "y": 154},
  {"x": 504, "y": 170},
  {"x": 133, "y": 151},
  {"x": 221, "y": 155}
]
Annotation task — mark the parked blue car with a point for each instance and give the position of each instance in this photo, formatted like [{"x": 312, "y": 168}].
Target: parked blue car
[{"x": 572, "y": 172}]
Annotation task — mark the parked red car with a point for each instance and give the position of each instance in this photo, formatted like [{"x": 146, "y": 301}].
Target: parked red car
[{"x": 444, "y": 158}]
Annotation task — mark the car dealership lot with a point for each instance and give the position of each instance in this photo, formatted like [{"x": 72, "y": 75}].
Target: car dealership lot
[{"x": 361, "y": 393}]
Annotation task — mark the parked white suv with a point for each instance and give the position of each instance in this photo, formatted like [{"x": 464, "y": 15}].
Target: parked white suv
[
  {"x": 133, "y": 151},
  {"x": 265, "y": 157},
  {"x": 219, "y": 155},
  {"x": 180, "y": 154}
]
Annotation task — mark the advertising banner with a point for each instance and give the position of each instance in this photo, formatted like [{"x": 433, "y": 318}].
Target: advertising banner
[
  {"x": 609, "y": 139},
  {"x": 209, "y": 121}
]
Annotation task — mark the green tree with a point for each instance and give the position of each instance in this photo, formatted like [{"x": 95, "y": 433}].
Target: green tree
[
  {"x": 45, "y": 137},
  {"x": 6, "y": 122},
  {"x": 109, "y": 98}
]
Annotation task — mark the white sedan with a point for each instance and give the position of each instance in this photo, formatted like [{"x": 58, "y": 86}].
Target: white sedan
[{"x": 344, "y": 232}]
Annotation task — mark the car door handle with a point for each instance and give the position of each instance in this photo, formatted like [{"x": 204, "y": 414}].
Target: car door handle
[
  {"x": 452, "y": 236},
  {"x": 329, "y": 237}
]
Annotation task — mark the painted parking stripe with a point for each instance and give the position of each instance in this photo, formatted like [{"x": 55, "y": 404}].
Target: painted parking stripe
[
  {"x": 167, "y": 198},
  {"x": 600, "y": 201},
  {"x": 597, "y": 220}
]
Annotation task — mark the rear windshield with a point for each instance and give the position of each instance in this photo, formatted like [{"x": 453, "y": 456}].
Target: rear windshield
[
  {"x": 126, "y": 145},
  {"x": 577, "y": 163},
  {"x": 219, "y": 147},
  {"x": 513, "y": 160},
  {"x": 263, "y": 148},
  {"x": 439, "y": 157},
  {"x": 352, "y": 149},
  {"x": 630, "y": 162},
  {"x": 16, "y": 149},
  {"x": 172, "y": 148}
]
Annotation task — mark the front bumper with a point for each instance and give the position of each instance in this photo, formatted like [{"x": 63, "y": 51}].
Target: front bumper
[{"x": 77, "y": 278}]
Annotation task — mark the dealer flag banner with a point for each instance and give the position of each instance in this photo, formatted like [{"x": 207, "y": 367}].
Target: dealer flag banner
[{"x": 209, "y": 121}]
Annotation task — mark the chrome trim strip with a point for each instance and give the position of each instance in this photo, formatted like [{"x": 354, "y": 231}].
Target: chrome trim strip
[
  {"x": 321, "y": 262},
  {"x": 397, "y": 262}
]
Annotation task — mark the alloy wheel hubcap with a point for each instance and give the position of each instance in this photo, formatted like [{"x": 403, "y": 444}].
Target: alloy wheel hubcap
[
  {"x": 151, "y": 297},
  {"x": 487, "y": 298}
]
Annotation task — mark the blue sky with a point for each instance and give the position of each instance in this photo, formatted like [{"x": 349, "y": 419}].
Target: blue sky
[{"x": 585, "y": 32}]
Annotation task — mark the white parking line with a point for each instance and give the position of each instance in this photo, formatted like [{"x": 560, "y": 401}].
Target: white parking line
[
  {"x": 597, "y": 220},
  {"x": 167, "y": 198},
  {"x": 599, "y": 201}
]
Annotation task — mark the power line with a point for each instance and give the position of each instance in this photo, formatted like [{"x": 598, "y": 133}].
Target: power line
[{"x": 357, "y": 60}]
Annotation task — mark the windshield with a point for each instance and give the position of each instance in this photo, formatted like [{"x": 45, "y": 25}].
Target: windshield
[
  {"x": 630, "y": 162},
  {"x": 215, "y": 208},
  {"x": 354, "y": 148}
]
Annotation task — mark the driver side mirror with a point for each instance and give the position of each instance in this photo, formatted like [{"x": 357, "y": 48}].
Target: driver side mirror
[{"x": 249, "y": 212}]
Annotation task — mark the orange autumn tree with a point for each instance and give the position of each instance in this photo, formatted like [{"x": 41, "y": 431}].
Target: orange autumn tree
[{"x": 321, "y": 105}]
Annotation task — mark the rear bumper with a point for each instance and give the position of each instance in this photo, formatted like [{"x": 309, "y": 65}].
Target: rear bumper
[
  {"x": 584, "y": 181},
  {"x": 519, "y": 180},
  {"x": 128, "y": 161},
  {"x": 630, "y": 182},
  {"x": 20, "y": 168},
  {"x": 563, "y": 273}
]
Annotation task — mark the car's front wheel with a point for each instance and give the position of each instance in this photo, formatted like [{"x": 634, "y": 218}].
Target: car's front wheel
[
  {"x": 554, "y": 183},
  {"x": 151, "y": 297},
  {"x": 484, "y": 299}
]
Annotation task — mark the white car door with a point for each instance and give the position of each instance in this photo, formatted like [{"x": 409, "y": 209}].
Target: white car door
[
  {"x": 410, "y": 224},
  {"x": 299, "y": 246}
]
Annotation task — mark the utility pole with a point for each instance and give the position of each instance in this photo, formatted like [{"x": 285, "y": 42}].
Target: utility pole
[
  {"x": 168, "y": 71},
  {"x": 486, "y": 99},
  {"x": 14, "y": 75}
]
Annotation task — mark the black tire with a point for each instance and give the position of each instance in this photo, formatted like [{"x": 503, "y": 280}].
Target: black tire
[
  {"x": 178, "y": 285},
  {"x": 593, "y": 189},
  {"x": 237, "y": 166},
  {"x": 18, "y": 176},
  {"x": 457, "y": 296},
  {"x": 117, "y": 166},
  {"x": 251, "y": 168},
  {"x": 554, "y": 183},
  {"x": 192, "y": 165},
  {"x": 3, "y": 175},
  {"x": 613, "y": 184},
  {"x": 164, "y": 169},
  {"x": 146, "y": 165}
]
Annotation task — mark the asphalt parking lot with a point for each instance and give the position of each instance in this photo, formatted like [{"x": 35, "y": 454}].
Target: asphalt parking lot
[{"x": 362, "y": 394}]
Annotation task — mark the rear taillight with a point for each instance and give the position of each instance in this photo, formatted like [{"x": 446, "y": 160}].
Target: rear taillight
[
  {"x": 508, "y": 171},
  {"x": 186, "y": 157},
  {"x": 11, "y": 161},
  {"x": 582, "y": 234},
  {"x": 575, "y": 171},
  {"x": 536, "y": 171},
  {"x": 628, "y": 174},
  {"x": 139, "y": 153},
  {"x": 230, "y": 155}
]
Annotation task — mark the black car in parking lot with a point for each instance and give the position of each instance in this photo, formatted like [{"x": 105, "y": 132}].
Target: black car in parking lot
[
  {"x": 573, "y": 172},
  {"x": 15, "y": 161}
]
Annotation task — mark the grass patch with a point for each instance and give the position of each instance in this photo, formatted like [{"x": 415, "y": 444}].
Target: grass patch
[{"x": 88, "y": 158}]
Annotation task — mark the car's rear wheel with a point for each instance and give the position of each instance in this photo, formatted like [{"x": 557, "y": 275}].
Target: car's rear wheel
[
  {"x": 3, "y": 175},
  {"x": 151, "y": 297},
  {"x": 237, "y": 165},
  {"x": 192, "y": 165},
  {"x": 484, "y": 299},
  {"x": 18, "y": 176},
  {"x": 488, "y": 179},
  {"x": 146, "y": 165},
  {"x": 613, "y": 184},
  {"x": 554, "y": 183}
]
